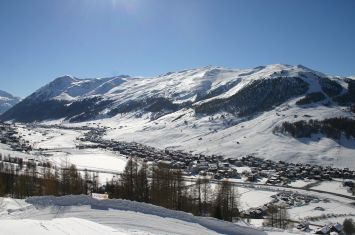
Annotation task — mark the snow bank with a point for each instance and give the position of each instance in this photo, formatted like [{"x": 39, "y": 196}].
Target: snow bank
[{"x": 125, "y": 205}]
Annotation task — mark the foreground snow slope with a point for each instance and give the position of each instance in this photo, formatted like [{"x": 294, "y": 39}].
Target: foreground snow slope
[
  {"x": 81, "y": 214},
  {"x": 55, "y": 227}
]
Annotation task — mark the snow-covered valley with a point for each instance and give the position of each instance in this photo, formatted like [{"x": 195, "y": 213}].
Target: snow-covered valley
[
  {"x": 60, "y": 146},
  {"x": 222, "y": 120},
  {"x": 210, "y": 110}
]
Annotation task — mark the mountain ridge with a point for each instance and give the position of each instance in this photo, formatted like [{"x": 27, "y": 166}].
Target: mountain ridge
[{"x": 208, "y": 90}]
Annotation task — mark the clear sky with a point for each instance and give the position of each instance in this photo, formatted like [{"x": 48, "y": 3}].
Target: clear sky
[{"x": 43, "y": 39}]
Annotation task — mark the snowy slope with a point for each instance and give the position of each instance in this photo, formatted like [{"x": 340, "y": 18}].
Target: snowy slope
[
  {"x": 254, "y": 136},
  {"x": 69, "y": 87},
  {"x": 7, "y": 101},
  {"x": 55, "y": 227},
  {"x": 83, "y": 215}
]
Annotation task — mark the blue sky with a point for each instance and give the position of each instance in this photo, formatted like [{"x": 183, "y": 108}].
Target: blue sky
[{"x": 41, "y": 39}]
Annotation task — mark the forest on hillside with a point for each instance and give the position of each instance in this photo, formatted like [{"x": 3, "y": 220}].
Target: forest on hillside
[{"x": 332, "y": 128}]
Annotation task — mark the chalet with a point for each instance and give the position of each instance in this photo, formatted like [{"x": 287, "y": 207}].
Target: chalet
[
  {"x": 212, "y": 167},
  {"x": 338, "y": 228},
  {"x": 224, "y": 166}
]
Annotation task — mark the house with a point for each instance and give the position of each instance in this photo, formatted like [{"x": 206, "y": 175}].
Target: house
[
  {"x": 338, "y": 228},
  {"x": 323, "y": 230}
]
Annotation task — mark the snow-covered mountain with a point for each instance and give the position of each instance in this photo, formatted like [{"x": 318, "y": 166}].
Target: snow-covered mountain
[
  {"x": 7, "y": 101},
  {"x": 211, "y": 110},
  {"x": 206, "y": 90}
]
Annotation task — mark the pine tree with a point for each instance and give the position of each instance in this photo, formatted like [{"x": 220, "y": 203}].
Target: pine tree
[{"x": 129, "y": 179}]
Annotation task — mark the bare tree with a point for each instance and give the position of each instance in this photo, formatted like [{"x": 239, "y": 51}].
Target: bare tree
[{"x": 226, "y": 202}]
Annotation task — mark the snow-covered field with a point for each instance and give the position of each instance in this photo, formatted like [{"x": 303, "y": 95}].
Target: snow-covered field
[
  {"x": 60, "y": 148},
  {"x": 301, "y": 183},
  {"x": 49, "y": 138},
  {"x": 252, "y": 198},
  {"x": 105, "y": 164},
  {"x": 91, "y": 159},
  {"x": 323, "y": 212},
  {"x": 333, "y": 186}
]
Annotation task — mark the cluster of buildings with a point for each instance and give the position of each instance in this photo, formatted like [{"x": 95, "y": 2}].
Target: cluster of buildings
[
  {"x": 293, "y": 199},
  {"x": 218, "y": 166},
  {"x": 328, "y": 229},
  {"x": 283, "y": 173},
  {"x": 200, "y": 164},
  {"x": 288, "y": 199},
  {"x": 10, "y": 137}
]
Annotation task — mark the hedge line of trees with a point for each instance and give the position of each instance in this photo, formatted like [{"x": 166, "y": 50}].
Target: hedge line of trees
[
  {"x": 332, "y": 128},
  {"x": 160, "y": 186},
  {"x": 21, "y": 181},
  {"x": 166, "y": 187}
]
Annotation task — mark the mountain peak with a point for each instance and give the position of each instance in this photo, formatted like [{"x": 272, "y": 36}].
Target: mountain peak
[
  {"x": 5, "y": 94},
  {"x": 7, "y": 101},
  {"x": 66, "y": 79}
]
